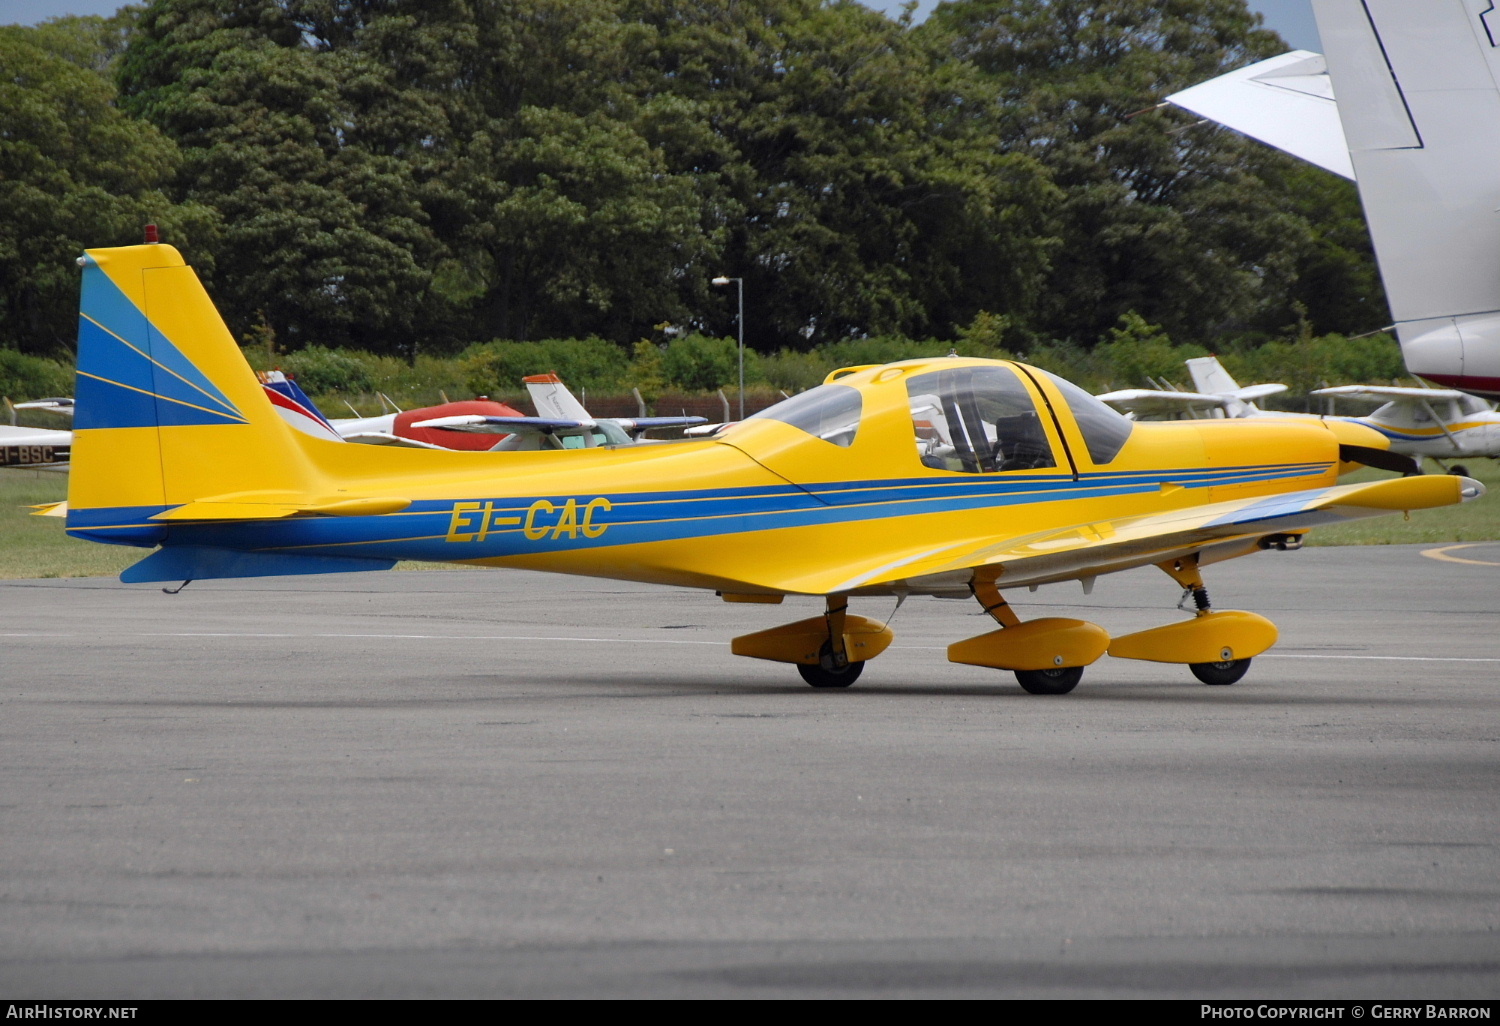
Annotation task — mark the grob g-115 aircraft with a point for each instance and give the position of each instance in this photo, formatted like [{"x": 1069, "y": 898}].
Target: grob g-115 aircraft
[{"x": 1012, "y": 477}]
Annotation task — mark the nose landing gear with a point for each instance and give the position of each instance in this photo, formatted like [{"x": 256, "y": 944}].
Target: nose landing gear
[{"x": 1216, "y": 645}]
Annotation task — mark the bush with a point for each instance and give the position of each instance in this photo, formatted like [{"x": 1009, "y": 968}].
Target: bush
[
  {"x": 696, "y": 363},
  {"x": 1307, "y": 363},
  {"x": 495, "y": 368},
  {"x": 25, "y": 377},
  {"x": 857, "y": 352},
  {"x": 320, "y": 371},
  {"x": 1137, "y": 351},
  {"x": 793, "y": 372}
]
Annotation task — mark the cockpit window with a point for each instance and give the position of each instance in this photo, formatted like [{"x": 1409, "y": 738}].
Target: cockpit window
[
  {"x": 1104, "y": 429},
  {"x": 976, "y": 420},
  {"x": 829, "y": 412}
]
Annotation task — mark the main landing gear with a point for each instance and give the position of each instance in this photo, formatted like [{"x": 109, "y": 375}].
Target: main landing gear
[
  {"x": 830, "y": 650},
  {"x": 1047, "y": 655}
]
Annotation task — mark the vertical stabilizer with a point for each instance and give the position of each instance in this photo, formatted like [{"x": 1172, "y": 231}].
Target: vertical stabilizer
[
  {"x": 1418, "y": 87},
  {"x": 168, "y": 411},
  {"x": 1209, "y": 376},
  {"x": 553, "y": 399}
]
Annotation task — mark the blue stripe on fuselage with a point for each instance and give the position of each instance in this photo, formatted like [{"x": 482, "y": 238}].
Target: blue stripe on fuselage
[{"x": 423, "y": 529}]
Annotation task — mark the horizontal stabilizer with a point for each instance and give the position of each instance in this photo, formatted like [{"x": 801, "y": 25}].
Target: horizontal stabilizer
[
  {"x": 203, "y": 563},
  {"x": 1250, "y": 393},
  {"x": 228, "y": 509},
  {"x": 50, "y": 509},
  {"x": 1286, "y": 102},
  {"x": 386, "y": 438}
]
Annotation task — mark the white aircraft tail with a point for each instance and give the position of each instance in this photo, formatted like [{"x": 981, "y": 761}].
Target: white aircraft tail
[
  {"x": 1418, "y": 88},
  {"x": 1210, "y": 376},
  {"x": 552, "y": 398}
]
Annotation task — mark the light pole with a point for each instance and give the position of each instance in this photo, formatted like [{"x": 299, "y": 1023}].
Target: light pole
[{"x": 721, "y": 280}]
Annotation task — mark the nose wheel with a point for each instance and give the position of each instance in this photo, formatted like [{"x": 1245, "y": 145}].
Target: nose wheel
[{"x": 1050, "y": 682}]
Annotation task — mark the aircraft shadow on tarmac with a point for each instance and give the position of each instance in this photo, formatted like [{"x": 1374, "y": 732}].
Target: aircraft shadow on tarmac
[{"x": 643, "y": 685}]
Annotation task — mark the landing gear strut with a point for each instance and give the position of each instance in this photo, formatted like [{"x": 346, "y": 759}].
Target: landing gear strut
[
  {"x": 830, "y": 650},
  {"x": 1046, "y": 655},
  {"x": 1215, "y": 645}
]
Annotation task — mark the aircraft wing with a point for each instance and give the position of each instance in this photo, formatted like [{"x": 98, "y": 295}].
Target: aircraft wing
[
  {"x": 61, "y": 407},
  {"x": 635, "y": 425},
  {"x": 477, "y": 424},
  {"x": 1148, "y": 400},
  {"x": 1286, "y": 102},
  {"x": 1387, "y": 393},
  {"x": 1080, "y": 551}
]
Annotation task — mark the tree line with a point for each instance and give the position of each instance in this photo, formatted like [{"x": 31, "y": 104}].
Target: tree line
[{"x": 406, "y": 178}]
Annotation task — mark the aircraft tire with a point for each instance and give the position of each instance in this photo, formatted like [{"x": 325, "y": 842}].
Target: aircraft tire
[
  {"x": 1220, "y": 673},
  {"x": 821, "y": 678},
  {"x": 1459, "y": 470},
  {"x": 1049, "y": 682}
]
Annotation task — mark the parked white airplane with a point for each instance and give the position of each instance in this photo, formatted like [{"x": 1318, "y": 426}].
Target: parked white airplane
[
  {"x": 1418, "y": 109},
  {"x": 1217, "y": 395},
  {"x": 472, "y": 425},
  {"x": 561, "y": 422},
  {"x": 1440, "y": 423},
  {"x": 26, "y": 448}
]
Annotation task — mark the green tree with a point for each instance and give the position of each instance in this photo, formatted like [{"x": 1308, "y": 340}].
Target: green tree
[
  {"x": 288, "y": 135},
  {"x": 1157, "y": 216},
  {"x": 856, "y": 194},
  {"x": 75, "y": 172}
]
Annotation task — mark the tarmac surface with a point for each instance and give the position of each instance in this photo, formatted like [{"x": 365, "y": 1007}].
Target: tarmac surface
[{"x": 489, "y": 783}]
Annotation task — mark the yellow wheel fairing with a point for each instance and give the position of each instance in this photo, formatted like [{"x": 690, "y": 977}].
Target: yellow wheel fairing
[
  {"x": 803, "y": 641},
  {"x": 1223, "y": 635},
  {"x": 1049, "y": 643}
]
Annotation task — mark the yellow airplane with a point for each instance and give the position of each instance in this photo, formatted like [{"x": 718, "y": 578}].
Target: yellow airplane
[{"x": 943, "y": 477}]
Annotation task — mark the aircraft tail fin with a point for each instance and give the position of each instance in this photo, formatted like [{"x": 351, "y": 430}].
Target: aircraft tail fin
[
  {"x": 167, "y": 410},
  {"x": 295, "y": 406},
  {"x": 1210, "y": 376},
  {"x": 553, "y": 399},
  {"x": 1417, "y": 92}
]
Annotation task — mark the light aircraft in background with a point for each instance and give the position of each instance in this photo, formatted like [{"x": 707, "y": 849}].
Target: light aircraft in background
[
  {"x": 179, "y": 451},
  {"x": 1216, "y": 394},
  {"x": 473, "y": 424},
  {"x": 561, "y": 423},
  {"x": 27, "y": 448},
  {"x": 466, "y": 425},
  {"x": 1410, "y": 98},
  {"x": 1439, "y": 423}
]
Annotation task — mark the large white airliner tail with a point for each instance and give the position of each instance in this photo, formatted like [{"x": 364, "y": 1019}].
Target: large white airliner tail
[{"x": 1418, "y": 91}]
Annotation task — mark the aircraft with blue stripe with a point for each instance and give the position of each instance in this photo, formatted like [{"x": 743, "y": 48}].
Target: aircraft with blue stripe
[{"x": 943, "y": 477}]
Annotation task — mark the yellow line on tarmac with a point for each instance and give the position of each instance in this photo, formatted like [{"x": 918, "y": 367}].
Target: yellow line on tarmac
[{"x": 1442, "y": 554}]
